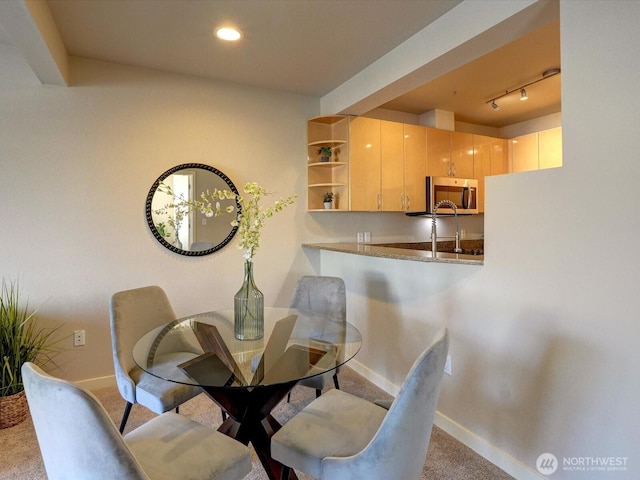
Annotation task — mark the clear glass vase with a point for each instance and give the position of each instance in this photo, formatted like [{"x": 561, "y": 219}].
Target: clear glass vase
[{"x": 248, "y": 308}]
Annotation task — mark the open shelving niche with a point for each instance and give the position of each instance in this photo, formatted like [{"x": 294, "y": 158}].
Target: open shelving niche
[{"x": 332, "y": 176}]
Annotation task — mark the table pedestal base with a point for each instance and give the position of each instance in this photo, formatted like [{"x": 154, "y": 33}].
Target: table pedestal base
[{"x": 250, "y": 419}]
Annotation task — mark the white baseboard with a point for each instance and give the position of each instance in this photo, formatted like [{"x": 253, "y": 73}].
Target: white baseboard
[
  {"x": 99, "y": 382},
  {"x": 476, "y": 443},
  {"x": 486, "y": 450},
  {"x": 378, "y": 380}
]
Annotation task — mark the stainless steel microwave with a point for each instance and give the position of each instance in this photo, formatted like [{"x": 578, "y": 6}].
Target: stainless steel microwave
[{"x": 463, "y": 192}]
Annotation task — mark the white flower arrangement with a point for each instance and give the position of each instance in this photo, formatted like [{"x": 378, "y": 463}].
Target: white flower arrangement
[{"x": 250, "y": 215}]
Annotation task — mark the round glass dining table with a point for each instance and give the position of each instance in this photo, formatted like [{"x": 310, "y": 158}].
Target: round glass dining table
[{"x": 248, "y": 378}]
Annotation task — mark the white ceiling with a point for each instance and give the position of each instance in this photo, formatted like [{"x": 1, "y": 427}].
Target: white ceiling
[{"x": 308, "y": 47}]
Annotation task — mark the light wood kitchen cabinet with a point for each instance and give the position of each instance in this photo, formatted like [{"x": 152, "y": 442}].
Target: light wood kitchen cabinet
[
  {"x": 449, "y": 154},
  {"x": 332, "y": 176},
  {"x": 364, "y": 164},
  {"x": 378, "y": 165},
  {"x": 415, "y": 168},
  {"x": 489, "y": 158},
  {"x": 536, "y": 151},
  {"x": 550, "y": 148},
  {"x": 524, "y": 153},
  {"x": 438, "y": 152},
  {"x": 499, "y": 156},
  {"x": 392, "y": 166},
  {"x": 462, "y": 155},
  {"x": 387, "y": 165}
]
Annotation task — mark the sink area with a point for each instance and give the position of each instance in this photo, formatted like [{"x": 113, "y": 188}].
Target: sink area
[
  {"x": 469, "y": 247},
  {"x": 465, "y": 251}
]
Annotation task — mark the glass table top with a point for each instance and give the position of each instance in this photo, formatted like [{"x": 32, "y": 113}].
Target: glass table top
[{"x": 202, "y": 350}]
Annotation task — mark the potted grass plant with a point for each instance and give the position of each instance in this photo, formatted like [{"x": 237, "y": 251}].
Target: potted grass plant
[{"x": 22, "y": 339}]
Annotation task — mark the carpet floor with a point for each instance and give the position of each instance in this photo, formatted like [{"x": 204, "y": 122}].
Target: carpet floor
[{"x": 447, "y": 459}]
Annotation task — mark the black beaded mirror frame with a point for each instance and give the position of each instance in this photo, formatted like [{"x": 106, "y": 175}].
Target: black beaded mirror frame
[{"x": 152, "y": 226}]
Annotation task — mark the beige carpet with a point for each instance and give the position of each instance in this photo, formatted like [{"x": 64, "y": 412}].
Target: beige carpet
[{"x": 447, "y": 458}]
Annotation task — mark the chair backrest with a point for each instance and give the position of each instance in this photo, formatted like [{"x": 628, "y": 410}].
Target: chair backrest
[
  {"x": 399, "y": 447},
  {"x": 133, "y": 313},
  {"x": 77, "y": 437},
  {"x": 324, "y": 295}
]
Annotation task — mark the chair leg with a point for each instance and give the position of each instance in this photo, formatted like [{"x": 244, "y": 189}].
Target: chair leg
[
  {"x": 284, "y": 474},
  {"x": 224, "y": 414},
  {"x": 178, "y": 409},
  {"x": 335, "y": 381},
  {"x": 318, "y": 392},
  {"x": 125, "y": 416},
  {"x": 289, "y": 398}
]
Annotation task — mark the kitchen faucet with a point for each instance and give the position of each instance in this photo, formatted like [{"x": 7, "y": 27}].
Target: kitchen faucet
[{"x": 434, "y": 236}]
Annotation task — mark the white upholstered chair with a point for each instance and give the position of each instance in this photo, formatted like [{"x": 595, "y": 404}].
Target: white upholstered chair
[
  {"x": 341, "y": 437},
  {"x": 132, "y": 314},
  {"x": 78, "y": 439},
  {"x": 326, "y": 296}
]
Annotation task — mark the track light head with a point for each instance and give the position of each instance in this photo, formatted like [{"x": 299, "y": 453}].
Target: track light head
[{"x": 523, "y": 93}]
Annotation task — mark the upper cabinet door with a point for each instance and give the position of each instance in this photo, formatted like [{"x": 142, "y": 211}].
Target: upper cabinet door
[
  {"x": 438, "y": 152},
  {"x": 364, "y": 164},
  {"x": 462, "y": 154},
  {"x": 415, "y": 168},
  {"x": 550, "y": 148},
  {"x": 525, "y": 153},
  {"x": 499, "y": 156},
  {"x": 481, "y": 164},
  {"x": 392, "y": 166}
]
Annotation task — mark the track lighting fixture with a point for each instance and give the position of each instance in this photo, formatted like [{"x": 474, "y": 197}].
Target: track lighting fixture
[{"x": 523, "y": 93}]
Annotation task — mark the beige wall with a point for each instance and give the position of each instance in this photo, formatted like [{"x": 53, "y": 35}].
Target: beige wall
[
  {"x": 77, "y": 164},
  {"x": 544, "y": 336}
]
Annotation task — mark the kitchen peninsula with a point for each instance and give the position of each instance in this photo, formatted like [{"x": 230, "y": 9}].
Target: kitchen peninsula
[{"x": 399, "y": 251}]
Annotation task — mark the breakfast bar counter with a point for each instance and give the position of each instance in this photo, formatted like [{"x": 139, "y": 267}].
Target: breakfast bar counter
[{"x": 399, "y": 252}]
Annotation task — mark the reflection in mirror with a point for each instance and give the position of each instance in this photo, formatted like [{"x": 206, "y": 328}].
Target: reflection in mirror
[{"x": 183, "y": 232}]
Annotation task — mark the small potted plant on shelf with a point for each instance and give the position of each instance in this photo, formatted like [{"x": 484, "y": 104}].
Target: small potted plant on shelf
[
  {"x": 325, "y": 153},
  {"x": 328, "y": 200}
]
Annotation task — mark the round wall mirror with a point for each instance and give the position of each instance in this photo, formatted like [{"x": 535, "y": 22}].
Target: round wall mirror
[{"x": 189, "y": 233}]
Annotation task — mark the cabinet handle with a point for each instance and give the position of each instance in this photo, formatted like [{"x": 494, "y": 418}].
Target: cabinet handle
[
  {"x": 408, "y": 202},
  {"x": 402, "y": 201},
  {"x": 379, "y": 201}
]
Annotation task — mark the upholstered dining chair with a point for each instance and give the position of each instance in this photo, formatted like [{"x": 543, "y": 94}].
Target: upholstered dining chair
[
  {"x": 78, "y": 439},
  {"x": 341, "y": 437},
  {"x": 132, "y": 314},
  {"x": 326, "y": 296}
]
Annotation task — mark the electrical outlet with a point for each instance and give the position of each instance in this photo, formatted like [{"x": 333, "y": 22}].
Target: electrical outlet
[
  {"x": 360, "y": 237},
  {"x": 447, "y": 365},
  {"x": 78, "y": 338},
  {"x": 367, "y": 237}
]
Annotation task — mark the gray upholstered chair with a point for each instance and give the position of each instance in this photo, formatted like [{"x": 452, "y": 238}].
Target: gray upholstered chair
[
  {"x": 132, "y": 314},
  {"x": 341, "y": 437},
  {"x": 79, "y": 440},
  {"x": 326, "y": 296}
]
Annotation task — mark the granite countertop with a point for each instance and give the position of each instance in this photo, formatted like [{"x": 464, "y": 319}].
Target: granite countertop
[{"x": 416, "y": 251}]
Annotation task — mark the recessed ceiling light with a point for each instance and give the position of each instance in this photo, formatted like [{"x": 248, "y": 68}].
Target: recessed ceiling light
[{"x": 228, "y": 33}]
